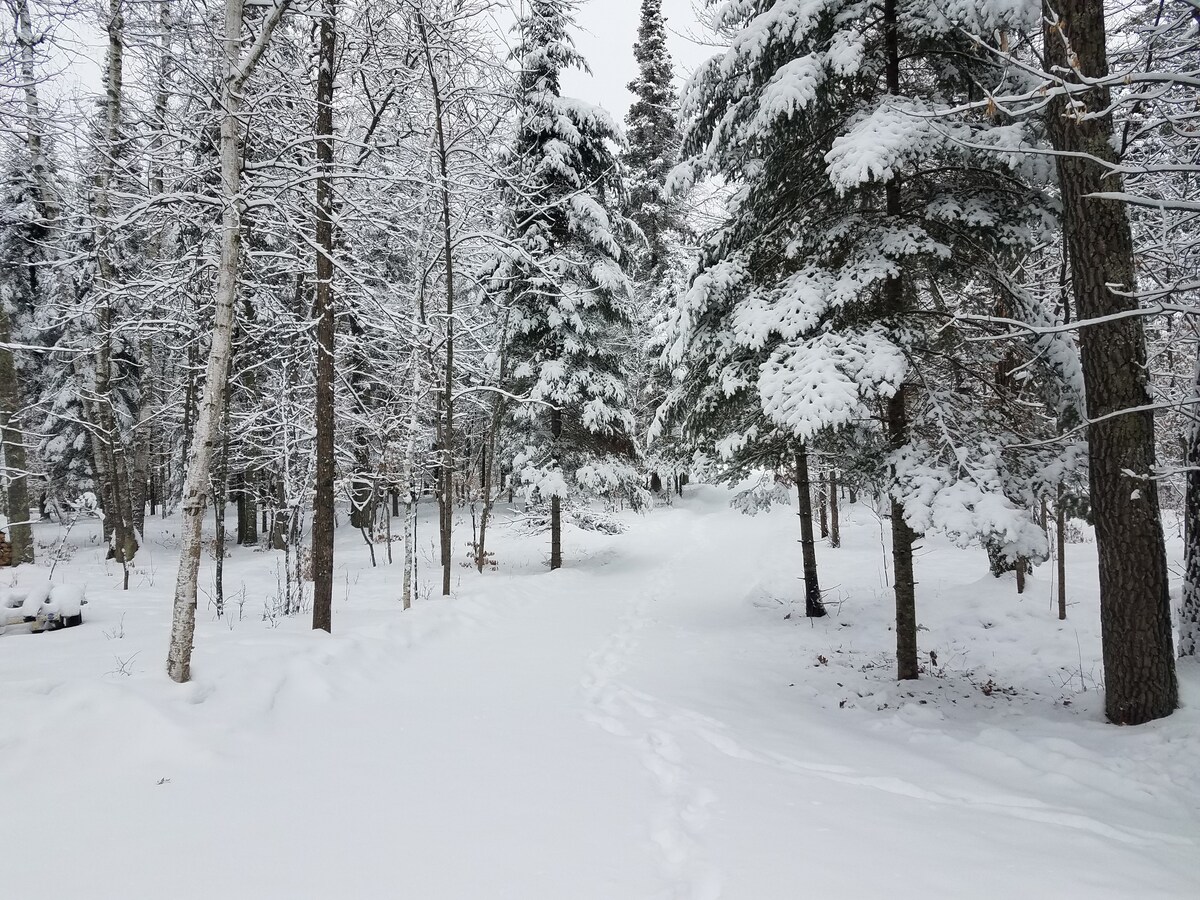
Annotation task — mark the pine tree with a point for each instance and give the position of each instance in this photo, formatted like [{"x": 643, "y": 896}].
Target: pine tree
[
  {"x": 859, "y": 232},
  {"x": 1135, "y": 603},
  {"x": 652, "y": 130},
  {"x": 659, "y": 255},
  {"x": 563, "y": 282}
]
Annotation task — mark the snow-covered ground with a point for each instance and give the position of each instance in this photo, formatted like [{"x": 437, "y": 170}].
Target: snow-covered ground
[{"x": 649, "y": 722}]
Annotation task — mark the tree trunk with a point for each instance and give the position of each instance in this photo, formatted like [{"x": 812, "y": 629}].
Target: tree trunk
[
  {"x": 323, "y": 512},
  {"x": 16, "y": 467},
  {"x": 1060, "y": 526},
  {"x": 903, "y": 538},
  {"x": 362, "y": 491},
  {"x": 139, "y": 488},
  {"x": 489, "y": 451},
  {"x": 108, "y": 444},
  {"x": 897, "y": 412},
  {"x": 143, "y": 462},
  {"x": 555, "y": 501},
  {"x": 835, "y": 528},
  {"x": 1135, "y": 607},
  {"x": 279, "y": 518},
  {"x": 247, "y": 509},
  {"x": 447, "y": 486},
  {"x": 220, "y": 480},
  {"x": 12, "y": 435},
  {"x": 410, "y": 493},
  {"x": 823, "y": 506},
  {"x": 237, "y": 67},
  {"x": 1189, "y": 611},
  {"x": 47, "y": 194},
  {"x": 813, "y": 606}
]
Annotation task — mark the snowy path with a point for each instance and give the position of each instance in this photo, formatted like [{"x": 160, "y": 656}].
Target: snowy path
[{"x": 633, "y": 727}]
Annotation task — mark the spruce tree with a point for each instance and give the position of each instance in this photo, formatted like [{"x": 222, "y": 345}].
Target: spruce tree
[
  {"x": 860, "y": 232},
  {"x": 652, "y": 129},
  {"x": 562, "y": 280},
  {"x": 659, "y": 253}
]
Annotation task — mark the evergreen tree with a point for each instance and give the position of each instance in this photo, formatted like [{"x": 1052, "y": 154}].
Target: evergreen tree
[
  {"x": 562, "y": 278},
  {"x": 660, "y": 255},
  {"x": 652, "y": 129},
  {"x": 859, "y": 233}
]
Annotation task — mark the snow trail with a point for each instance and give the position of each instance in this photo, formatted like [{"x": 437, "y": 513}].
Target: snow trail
[
  {"x": 641, "y": 725},
  {"x": 682, "y": 814}
]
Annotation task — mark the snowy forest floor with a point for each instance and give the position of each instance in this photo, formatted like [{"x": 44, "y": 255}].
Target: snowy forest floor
[{"x": 648, "y": 722}]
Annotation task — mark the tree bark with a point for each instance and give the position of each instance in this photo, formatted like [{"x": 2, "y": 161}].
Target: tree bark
[
  {"x": 220, "y": 483},
  {"x": 323, "y": 511},
  {"x": 447, "y": 469},
  {"x": 1189, "y": 610},
  {"x": 489, "y": 453},
  {"x": 236, "y": 68},
  {"x": 108, "y": 444},
  {"x": 15, "y": 464},
  {"x": 897, "y": 413},
  {"x": 903, "y": 538},
  {"x": 835, "y": 527},
  {"x": 823, "y": 505},
  {"x": 555, "y": 501},
  {"x": 1060, "y": 527},
  {"x": 813, "y": 606},
  {"x": 1135, "y": 609},
  {"x": 12, "y": 436},
  {"x": 247, "y": 509}
]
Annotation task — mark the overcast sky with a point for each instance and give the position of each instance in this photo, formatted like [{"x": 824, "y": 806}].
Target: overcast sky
[{"x": 606, "y": 34}]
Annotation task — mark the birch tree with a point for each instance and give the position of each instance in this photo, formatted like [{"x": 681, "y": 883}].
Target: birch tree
[{"x": 238, "y": 58}]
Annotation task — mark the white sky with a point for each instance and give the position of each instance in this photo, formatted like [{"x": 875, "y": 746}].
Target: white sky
[
  {"x": 607, "y": 30},
  {"x": 606, "y": 33}
]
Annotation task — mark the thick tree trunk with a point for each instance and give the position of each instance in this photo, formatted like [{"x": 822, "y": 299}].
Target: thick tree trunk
[
  {"x": 813, "y": 606},
  {"x": 237, "y": 67},
  {"x": 247, "y": 509},
  {"x": 279, "y": 518},
  {"x": 1189, "y": 611},
  {"x": 323, "y": 512},
  {"x": 1135, "y": 608}
]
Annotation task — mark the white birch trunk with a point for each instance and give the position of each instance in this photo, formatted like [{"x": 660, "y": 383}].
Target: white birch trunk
[{"x": 237, "y": 68}]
